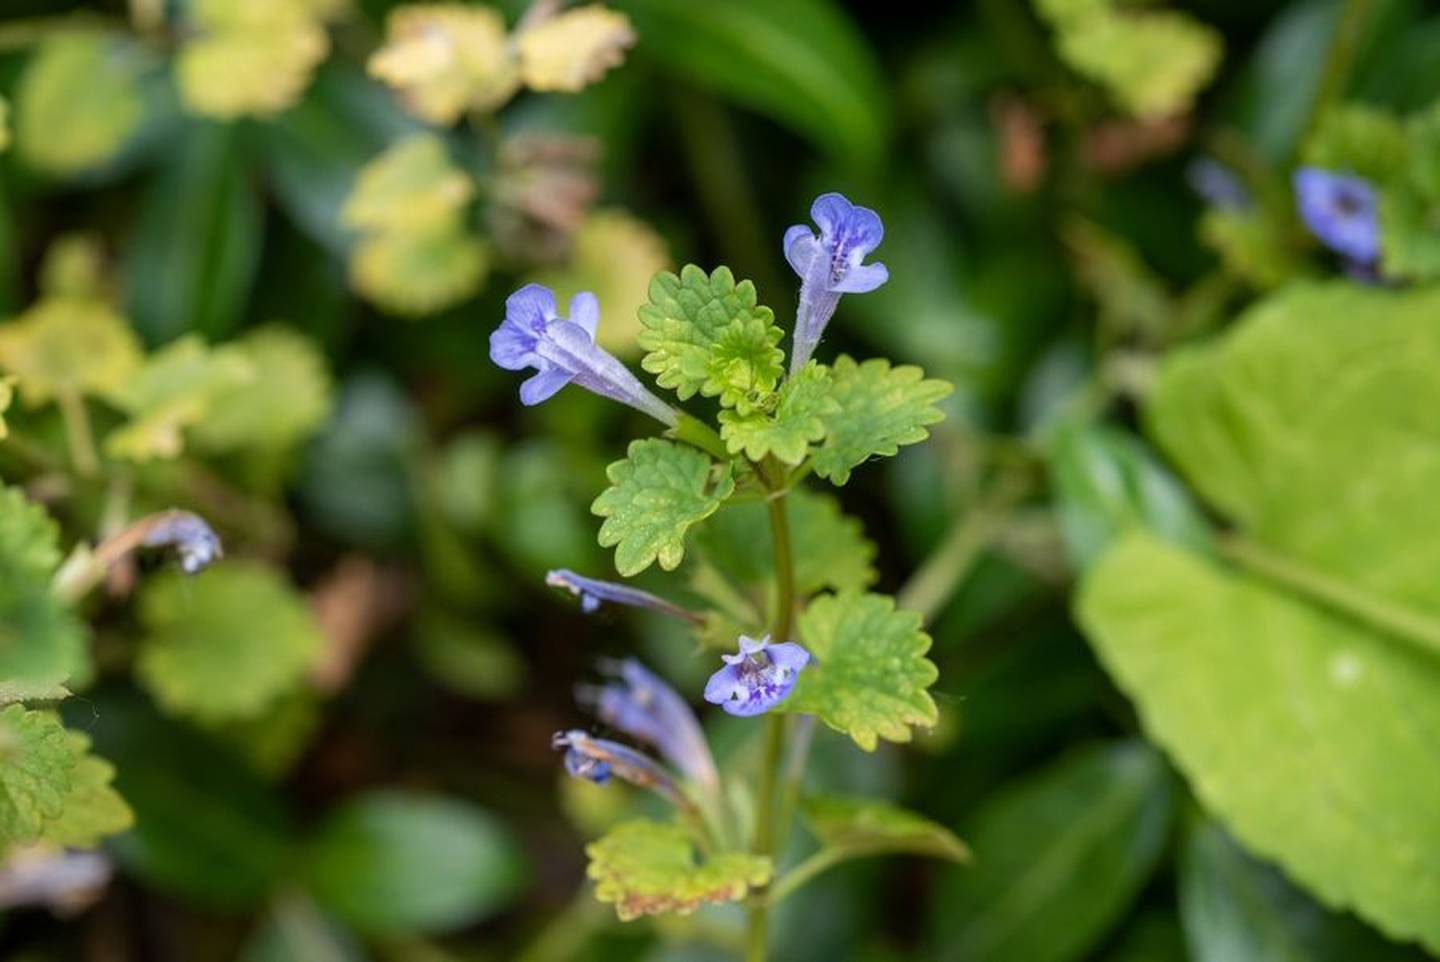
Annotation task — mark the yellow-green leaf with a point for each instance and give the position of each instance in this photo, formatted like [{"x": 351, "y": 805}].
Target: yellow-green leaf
[
  {"x": 285, "y": 401},
  {"x": 652, "y": 868},
  {"x": 706, "y": 333},
  {"x": 251, "y": 58},
  {"x": 37, "y": 766},
  {"x": 573, "y": 49},
  {"x": 91, "y": 810},
  {"x": 78, "y": 102},
  {"x": 66, "y": 345},
  {"x": 226, "y": 643},
  {"x": 879, "y": 408},
  {"x": 445, "y": 59},
  {"x": 175, "y": 390},
  {"x": 412, "y": 186},
  {"x": 797, "y": 421},
  {"x": 655, "y": 495},
  {"x": 869, "y": 677},
  {"x": 413, "y": 274}
]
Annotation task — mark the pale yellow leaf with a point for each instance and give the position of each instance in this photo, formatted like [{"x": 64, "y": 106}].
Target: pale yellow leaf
[{"x": 569, "y": 52}]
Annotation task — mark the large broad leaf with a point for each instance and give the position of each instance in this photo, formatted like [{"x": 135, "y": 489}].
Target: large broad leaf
[
  {"x": 864, "y": 826},
  {"x": 1057, "y": 859},
  {"x": 1107, "y": 482},
  {"x": 394, "y": 863},
  {"x": 1297, "y": 696},
  {"x": 652, "y": 868},
  {"x": 1237, "y": 908},
  {"x": 803, "y": 62},
  {"x": 78, "y": 101},
  {"x": 196, "y": 248}
]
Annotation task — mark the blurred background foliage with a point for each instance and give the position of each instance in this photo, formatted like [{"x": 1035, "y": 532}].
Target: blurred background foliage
[{"x": 249, "y": 265}]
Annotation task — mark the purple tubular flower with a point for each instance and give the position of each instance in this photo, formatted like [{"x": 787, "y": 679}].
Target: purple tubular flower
[
  {"x": 592, "y": 593},
  {"x": 195, "y": 542},
  {"x": 1341, "y": 210},
  {"x": 596, "y": 759},
  {"x": 562, "y": 350},
  {"x": 829, "y": 265},
  {"x": 640, "y": 704},
  {"x": 757, "y": 678}
]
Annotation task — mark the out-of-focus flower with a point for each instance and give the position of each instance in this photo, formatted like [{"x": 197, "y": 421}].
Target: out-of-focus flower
[
  {"x": 562, "y": 350},
  {"x": 574, "y": 49},
  {"x": 543, "y": 189},
  {"x": 1217, "y": 185},
  {"x": 758, "y": 677},
  {"x": 830, "y": 265},
  {"x": 596, "y": 759},
  {"x": 592, "y": 593},
  {"x": 64, "y": 881},
  {"x": 1341, "y": 210},
  {"x": 447, "y": 58},
  {"x": 195, "y": 542},
  {"x": 639, "y": 703}
]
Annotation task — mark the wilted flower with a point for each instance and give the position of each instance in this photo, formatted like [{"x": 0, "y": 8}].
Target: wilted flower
[
  {"x": 195, "y": 542},
  {"x": 758, "y": 677},
  {"x": 541, "y": 192},
  {"x": 592, "y": 593},
  {"x": 562, "y": 350},
  {"x": 640, "y": 704},
  {"x": 1341, "y": 210},
  {"x": 830, "y": 266},
  {"x": 596, "y": 759}
]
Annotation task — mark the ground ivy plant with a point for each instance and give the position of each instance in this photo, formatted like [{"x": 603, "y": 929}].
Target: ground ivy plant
[{"x": 795, "y": 634}]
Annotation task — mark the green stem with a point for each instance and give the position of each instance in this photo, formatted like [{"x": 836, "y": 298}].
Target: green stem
[
  {"x": 932, "y": 585},
  {"x": 1334, "y": 593},
  {"x": 696, "y": 433},
  {"x": 757, "y": 932},
  {"x": 78, "y": 434},
  {"x": 807, "y": 870},
  {"x": 1338, "y": 61}
]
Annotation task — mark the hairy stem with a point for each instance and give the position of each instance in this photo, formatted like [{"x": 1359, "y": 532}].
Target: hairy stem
[{"x": 757, "y": 932}]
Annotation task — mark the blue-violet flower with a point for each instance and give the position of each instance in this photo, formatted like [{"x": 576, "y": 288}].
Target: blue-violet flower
[
  {"x": 562, "y": 350},
  {"x": 640, "y": 704},
  {"x": 596, "y": 759},
  {"x": 758, "y": 677},
  {"x": 593, "y": 592},
  {"x": 1341, "y": 210},
  {"x": 195, "y": 542},
  {"x": 829, "y": 265}
]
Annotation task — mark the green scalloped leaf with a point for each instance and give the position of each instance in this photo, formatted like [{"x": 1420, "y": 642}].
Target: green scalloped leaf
[
  {"x": 866, "y": 826},
  {"x": 880, "y": 408},
  {"x": 706, "y": 333},
  {"x": 175, "y": 390},
  {"x": 870, "y": 674},
  {"x": 42, "y": 643},
  {"x": 797, "y": 421},
  {"x": 656, "y": 494},
  {"x": 92, "y": 809},
  {"x": 68, "y": 345},
  {"x": 78, "y": 101},
  {"x": 226, "y": 643},
  {"x": 282, "y": 405},
  {"x": 652, "y": 868},
  {"x": 37, "y": 765}
]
